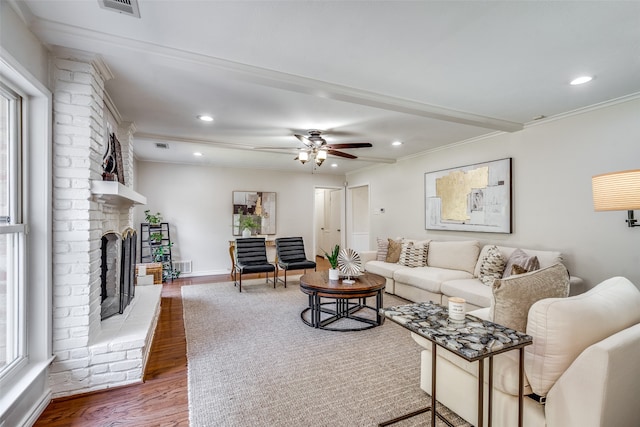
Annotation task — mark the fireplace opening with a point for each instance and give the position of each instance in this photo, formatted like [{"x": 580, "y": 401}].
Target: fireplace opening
[{"x": 117, "y": 272}]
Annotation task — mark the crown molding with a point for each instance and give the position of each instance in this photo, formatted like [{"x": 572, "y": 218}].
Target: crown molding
[{"x": 594, "y": 107}]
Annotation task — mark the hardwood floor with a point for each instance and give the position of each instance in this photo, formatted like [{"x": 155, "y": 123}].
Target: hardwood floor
[{"x": 161, "y": 400}]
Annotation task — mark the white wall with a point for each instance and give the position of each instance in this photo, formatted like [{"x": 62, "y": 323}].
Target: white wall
[
  {"x": 22, "y": 44},
  {"x": 196, "y": 201},
  {"x": 553, "y": 162}
]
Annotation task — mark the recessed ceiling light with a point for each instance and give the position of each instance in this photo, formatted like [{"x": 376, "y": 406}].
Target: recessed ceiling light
[
  {"x": 334, "y": 165},
  {"x": 197, "y": 154},
  {"x": 396, "y": 143},
  {"x": 205, "y": 118},
  {"x": 581, "y": 80}
]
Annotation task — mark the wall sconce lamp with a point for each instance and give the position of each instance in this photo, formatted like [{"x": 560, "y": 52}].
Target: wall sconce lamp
[{"x": 617, "y": 191}]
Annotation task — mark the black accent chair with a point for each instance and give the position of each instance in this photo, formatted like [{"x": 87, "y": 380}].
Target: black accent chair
[
  {"x": 251, "y": 257},
  {"x": 291, "y": 256}
]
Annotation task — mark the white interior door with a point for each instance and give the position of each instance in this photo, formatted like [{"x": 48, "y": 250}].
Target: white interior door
[{"x": 329, "y": 219}]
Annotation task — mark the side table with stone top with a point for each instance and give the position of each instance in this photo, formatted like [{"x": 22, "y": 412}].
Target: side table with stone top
[{"x": 473, "y": 339}]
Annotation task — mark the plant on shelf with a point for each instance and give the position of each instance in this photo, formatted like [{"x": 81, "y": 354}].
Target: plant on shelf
[
  {"x": 156, "y": 237},
  {"x": 157, "y": 244},
  {"x": 160, "y": 254},
  {"x": 152, "y": 219}
]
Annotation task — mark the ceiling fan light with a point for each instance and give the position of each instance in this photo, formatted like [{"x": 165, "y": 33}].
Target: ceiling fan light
[
  {"x": 322, "y": 154},
  {"x": 303, "y": 157},
  {"x": 319, "y": 161}
]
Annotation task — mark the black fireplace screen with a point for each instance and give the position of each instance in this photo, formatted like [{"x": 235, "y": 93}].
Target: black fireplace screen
[{"x": 117, "y": 275}]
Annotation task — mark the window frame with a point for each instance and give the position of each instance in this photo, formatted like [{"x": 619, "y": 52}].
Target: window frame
[{"x": 14, "y": 228}]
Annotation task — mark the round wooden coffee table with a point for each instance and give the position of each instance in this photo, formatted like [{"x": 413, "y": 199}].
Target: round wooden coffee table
[{"x": 348, "y": 300}]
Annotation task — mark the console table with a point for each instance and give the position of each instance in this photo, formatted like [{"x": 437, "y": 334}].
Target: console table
[
  {"x": 431, "y": 321},
  {"x": 232, "y": 251}
]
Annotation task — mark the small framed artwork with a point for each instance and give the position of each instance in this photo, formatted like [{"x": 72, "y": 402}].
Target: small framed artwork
[
  {"x": 470, "y": 198},
  {"x": 255, "y": 210}
]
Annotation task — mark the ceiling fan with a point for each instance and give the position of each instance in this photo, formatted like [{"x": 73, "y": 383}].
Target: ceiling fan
[{"x": 317, "y": 148}]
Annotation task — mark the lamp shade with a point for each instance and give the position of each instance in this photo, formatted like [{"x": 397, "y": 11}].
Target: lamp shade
[{"x": 616, "y": 191}]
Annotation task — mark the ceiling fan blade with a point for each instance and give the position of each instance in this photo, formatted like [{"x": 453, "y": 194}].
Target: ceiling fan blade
[
  {"x": 306, "y": 141},
  {"x": 351, "y": 145},
  {"x": 341, "y": 154}
]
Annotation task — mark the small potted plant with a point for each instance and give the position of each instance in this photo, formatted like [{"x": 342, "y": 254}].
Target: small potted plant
[
  {"x": 152, "y": 219},
  {"x": 248, "y": 225},
  {"x": 334, "y": 273},
  {"x": 156, "y": 238}
]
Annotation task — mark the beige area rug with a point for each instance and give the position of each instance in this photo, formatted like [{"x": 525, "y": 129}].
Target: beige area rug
[{"x": 253, "y": 362}]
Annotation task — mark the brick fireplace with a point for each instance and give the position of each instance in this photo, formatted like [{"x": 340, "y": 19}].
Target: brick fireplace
[{"x": 91, "y": 353}]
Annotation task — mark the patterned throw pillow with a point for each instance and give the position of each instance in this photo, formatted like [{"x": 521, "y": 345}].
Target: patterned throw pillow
[
  {"x": 383, "y": 249},
  {"x": 413, "y": 254},
  {"x": 393, "y": 254},
  {"x": 492, "y": 266},
  {"x": 520, "y": 257}
]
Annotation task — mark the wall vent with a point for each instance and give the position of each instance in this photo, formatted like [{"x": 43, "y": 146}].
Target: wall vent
[
  {"x": 182, "y": 266},
  {"x": 162, "y": 145},
  {"x": 127, "y": 7}
]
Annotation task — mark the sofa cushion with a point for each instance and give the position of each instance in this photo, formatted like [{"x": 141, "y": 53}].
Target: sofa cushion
[
  {"x": 383, "y": 249},
  {"x": 454, "y": 255},
  {"x": 428, "y": 278},
  {"x": 472, "y": 290},
  {"x": 385, "y": 269},
  {"x": 394, "y": 249},
  {"x": 492, "y": 266},
  {"x": 521, "y": 258},
  {"x": 512, "y": 297},
  {"x": 562, "y": 328},
  {"x": 414, "y": 254}
]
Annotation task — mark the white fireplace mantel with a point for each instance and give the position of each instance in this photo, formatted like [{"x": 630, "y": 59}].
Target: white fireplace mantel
[{"x": 114, "y": 193}]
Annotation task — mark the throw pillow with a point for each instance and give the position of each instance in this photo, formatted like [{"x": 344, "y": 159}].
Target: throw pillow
[
  {"x": 383, "y": 249},
  {"x": 521, "y": 258},
  {"x": 492, "y": 266},
  {"x": 516, "y": 269},
  {"x": 393, "y": 254},
  {"x": 512, "y": 297},
  {"x": 413, "y": 254}
]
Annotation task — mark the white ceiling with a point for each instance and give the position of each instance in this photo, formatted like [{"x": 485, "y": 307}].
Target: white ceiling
[{"x": 427, "y": 73}]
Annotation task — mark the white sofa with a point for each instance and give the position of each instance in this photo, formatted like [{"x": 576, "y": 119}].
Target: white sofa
[
  {"x": 584, "y": 360},
  {"x": 453, "y": 270}
]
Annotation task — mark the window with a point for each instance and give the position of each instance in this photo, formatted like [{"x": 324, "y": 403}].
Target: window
[{"x": 12, "y": 230}]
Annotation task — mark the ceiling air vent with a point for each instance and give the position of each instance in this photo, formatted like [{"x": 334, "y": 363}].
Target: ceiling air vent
[
  {"x": 127, "y": 7},
  {"x": 162, "y": 145}
]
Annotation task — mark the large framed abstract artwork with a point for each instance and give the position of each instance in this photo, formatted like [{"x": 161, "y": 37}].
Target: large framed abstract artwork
[
  {"x": 259, "y": 206},
  {"x": 470, "y": 198}
]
